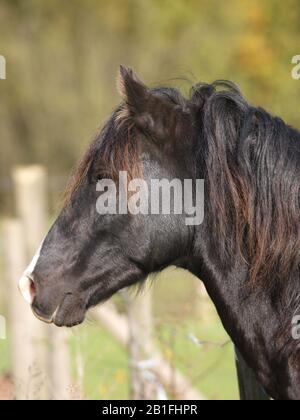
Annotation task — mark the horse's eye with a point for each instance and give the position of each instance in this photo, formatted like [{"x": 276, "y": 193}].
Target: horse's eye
[
  {"x": 94, "y": 178},
  {"x": 100, "y": 177}
]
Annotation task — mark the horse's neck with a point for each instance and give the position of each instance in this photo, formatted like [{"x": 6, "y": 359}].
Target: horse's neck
[{"x": 249, "y": 319}]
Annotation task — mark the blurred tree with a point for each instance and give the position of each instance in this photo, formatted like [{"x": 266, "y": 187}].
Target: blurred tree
[{"x": 62, "y": 59}]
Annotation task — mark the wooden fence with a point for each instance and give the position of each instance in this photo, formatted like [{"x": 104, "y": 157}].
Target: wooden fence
[{"x": 39, "y": 355}]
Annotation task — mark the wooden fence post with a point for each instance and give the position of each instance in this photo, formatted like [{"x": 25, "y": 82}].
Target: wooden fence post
[
  {"x": 30, "y": 202},
  {"x": 27, "y": 339},
  {"x": 31, "y": 206},
  {"x": 60, "y": 366},
  {"x": 140, "y": 345}
]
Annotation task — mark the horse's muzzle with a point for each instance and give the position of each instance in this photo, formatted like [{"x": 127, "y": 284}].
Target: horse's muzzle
[
  {"x": 28, "y": 290},
  {"x": 69, "y": 311}
]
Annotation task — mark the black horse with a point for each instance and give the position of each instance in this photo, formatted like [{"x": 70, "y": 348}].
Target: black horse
[{"x": 247, "y": 249}]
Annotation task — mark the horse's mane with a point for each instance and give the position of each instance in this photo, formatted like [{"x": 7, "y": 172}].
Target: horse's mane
[
  {"x": 252, "y": 173},
  {"x": 252, "y": 162}
]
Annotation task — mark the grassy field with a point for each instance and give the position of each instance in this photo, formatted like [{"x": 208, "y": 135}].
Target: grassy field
[{"x": 210, "y": 368}]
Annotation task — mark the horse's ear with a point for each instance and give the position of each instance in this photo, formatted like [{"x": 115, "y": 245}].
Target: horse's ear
[
  {"x": 147, "y": 110},
  {"x": 132, "y": 89}
]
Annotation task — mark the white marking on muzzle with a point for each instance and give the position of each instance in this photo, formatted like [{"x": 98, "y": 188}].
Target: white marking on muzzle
[
  {"x": 26, "y": 279},
  {"x": 25, "y": 289}
]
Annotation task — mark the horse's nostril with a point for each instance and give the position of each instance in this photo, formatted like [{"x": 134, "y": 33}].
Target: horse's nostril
[
  {"x": 27, "y": 288},
  {"x": 32, "y": 289}
]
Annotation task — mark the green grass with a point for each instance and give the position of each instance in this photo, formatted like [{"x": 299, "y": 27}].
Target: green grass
[
  {"x": 105, "y": 363},
  {"x": 210, "y": 368}
]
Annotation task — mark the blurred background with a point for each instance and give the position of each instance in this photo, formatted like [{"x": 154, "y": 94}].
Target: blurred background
[{"x": 62, "y": 58}]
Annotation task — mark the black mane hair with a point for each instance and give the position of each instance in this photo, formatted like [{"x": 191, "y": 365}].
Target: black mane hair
[{"x": 252, "y": 162}]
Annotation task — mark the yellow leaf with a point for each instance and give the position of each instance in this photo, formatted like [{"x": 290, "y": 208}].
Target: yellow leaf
[{"x": 120, "y": 376}]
